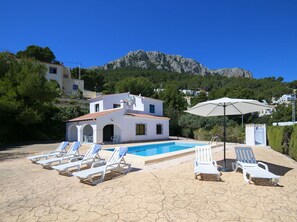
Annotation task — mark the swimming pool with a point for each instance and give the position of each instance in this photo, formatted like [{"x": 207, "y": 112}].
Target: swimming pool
[{"x": 159, "y": 148}]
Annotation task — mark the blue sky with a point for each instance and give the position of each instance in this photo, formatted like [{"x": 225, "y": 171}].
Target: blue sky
[{"x": 258, "y": 35}]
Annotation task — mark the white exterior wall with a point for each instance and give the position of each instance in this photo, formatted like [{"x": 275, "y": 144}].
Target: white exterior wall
[
  {"x": 130, "y": 123},
  {"x": 255, "y": 134},
  {"x": 108, "y": 101},
  {"x": 58, "y": 76},
  {"x": 68, "y": 85},
  {"x": 92, "y": 106},
  {"x": 80, "y": 128},
  {"x": 158, "y": 106},
  {"x": 124, "y": 127},
  {"x": 140, "y": 104}
]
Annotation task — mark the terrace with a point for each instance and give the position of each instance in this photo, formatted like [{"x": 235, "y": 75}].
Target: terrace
[{"x": 165, "y": 191}]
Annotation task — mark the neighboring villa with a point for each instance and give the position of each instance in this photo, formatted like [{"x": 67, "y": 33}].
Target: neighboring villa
[
  {"x": 62, "y": 75},
  {"x": 120, "y": 118},
  {"x": 286, "y": 98}
]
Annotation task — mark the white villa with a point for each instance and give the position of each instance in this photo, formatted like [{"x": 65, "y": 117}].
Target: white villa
[
  {"x": 61, "y": 74},
  {"x": 286, "y": 98},
  {"x": 120, "y": 118}
]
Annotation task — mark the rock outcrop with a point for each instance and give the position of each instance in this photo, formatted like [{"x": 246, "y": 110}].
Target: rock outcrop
[{"x": 174, "y": 63}]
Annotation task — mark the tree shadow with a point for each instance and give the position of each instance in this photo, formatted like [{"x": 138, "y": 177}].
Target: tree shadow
[{"x": 21, "y": 144}]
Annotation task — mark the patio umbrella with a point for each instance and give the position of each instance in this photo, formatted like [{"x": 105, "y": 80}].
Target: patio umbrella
[{"x": 226, "y": 107}]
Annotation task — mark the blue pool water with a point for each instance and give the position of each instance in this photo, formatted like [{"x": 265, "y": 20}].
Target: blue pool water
[{"x": 160, "y": 148}]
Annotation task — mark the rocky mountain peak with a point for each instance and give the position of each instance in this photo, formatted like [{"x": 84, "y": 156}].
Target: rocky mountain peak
[{"x": 174, "y": 63}]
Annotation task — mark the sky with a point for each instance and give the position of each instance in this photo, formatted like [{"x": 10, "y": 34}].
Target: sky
[{"x": 257, "y": 35}]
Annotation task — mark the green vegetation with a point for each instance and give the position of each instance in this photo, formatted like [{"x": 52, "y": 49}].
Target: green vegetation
[
  {"x": 26, "y": 97},
  {"x": 293, "y": 143},
  {"x": 283, "y": 139},
  {"x": 27, "y": 111},
  {"x": 135, "y": 86},
  {"x": 38, "y": 53},
  {"x": 275, "y": 136}
]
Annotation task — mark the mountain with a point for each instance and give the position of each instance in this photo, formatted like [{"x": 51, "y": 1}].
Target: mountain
[{"x": 174, "y": 63}]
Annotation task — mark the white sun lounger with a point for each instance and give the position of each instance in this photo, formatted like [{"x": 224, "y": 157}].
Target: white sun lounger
[
  {"x": 89, "y": 158},
  {"x": 73, "y": 152},
  {"x": 115, "y": 163},
  {"x": 204, "y": 164},
  {"x": 245, "y": 159},
  {"x": 59, "y": 151}
]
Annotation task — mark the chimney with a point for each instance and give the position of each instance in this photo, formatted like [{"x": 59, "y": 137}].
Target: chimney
[{"x": 123, "y": 104}]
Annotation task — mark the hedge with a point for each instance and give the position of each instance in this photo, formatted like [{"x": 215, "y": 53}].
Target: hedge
[
  {"x": 293, "y": 143},
  {"x": 275, "y": 136},
  {"x": 233, "y": 134}
]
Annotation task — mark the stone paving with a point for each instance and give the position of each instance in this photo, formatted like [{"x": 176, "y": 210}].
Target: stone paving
[{"x": 164, "y": 192}]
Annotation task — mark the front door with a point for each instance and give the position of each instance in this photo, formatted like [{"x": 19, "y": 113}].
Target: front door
[{"x": 108, "y": 133}]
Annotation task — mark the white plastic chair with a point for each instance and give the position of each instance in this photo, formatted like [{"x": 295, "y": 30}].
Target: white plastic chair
[
  {"x": 73, "y": 152},
  {"x": 245, "y": 159},
  {"x": 204, "y": 164},
  {"x": 58, "y": 152},
  {"x": 89, "y": 158},
  {"x": 116, "y": 162}
]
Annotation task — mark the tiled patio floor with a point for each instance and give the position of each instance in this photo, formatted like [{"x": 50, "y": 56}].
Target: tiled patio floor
[{"x": 165, "y": 193}]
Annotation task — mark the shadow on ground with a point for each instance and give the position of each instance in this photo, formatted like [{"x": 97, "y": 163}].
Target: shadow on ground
[
  {"x": 11, "y": 156},
  {"x": 273, "y": 168}
]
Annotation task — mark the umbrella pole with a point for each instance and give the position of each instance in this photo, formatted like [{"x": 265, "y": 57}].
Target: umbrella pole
[{"x": 225, "y": 165}]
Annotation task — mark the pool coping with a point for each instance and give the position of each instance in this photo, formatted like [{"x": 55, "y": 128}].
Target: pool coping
[{"x": 147, "y": 160}]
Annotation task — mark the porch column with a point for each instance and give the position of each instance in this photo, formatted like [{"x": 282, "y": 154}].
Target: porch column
[
  {"x": 94, "y": 127},
  {"x": 80, "y": 133}
]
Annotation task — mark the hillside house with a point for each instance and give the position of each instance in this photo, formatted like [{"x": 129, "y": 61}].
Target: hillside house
[
  {"x": 120, "y": 118},
  {"x": 61, "y": 75}
]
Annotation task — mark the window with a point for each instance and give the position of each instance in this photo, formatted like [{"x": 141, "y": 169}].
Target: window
[
  {"x": 53, "y": 70},
  {"x": 97, "y": 109},
  {"x": 140, "y": 129},
  {"x": 159, "y": 129},
  {"x": 75, "y": 87},
  {"x": 116, "y": 105},
  {"x": 65, "y": 76},
  {"x": 152, "y": 108}
]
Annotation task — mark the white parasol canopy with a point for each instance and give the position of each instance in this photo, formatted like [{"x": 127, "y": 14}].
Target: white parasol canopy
[
  {"x": 227, "y": 107},
  {"x": 232, "y": 107}
]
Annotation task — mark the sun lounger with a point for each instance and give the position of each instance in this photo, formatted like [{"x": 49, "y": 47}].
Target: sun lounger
[
  {"x": 89, "y": 158},
  {"x": 115, "y": 163},
  {"x": 204, "y": 164},
  {"x": 245, "y": 159},
  {"x": 73, "y": 152},
  {"x": 60, "y": 151}
]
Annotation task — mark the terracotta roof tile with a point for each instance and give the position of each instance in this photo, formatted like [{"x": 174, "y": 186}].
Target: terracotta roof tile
[
  {"x": 146, "y": 116},
  {"x": 91, "y": 116}
]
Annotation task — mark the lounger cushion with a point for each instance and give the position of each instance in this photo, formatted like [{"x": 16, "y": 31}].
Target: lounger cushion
[
  {"x": 206, "y": 169},
  {"x": 258, "y": 172}
]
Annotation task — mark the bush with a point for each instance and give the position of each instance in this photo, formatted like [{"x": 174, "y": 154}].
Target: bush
[
  {"x": 187, "y": 132},
  {"x": 293, "y": 143},
  {"x": 201, "y": 134},
  {"x": 234, "y": 134},
  {"x": 275, "y": 137}
]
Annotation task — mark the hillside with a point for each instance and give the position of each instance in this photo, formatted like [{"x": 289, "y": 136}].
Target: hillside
[{"x": 154, "y": 60}]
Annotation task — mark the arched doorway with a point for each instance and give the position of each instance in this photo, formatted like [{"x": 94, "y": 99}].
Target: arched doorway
[
  {"x": 108, "y": 133},
  {"x": 72, "y": 136},
  {"x": 88, "y": 134}
]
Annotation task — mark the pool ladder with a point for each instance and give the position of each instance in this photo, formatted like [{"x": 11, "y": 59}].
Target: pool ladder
[{"x": 214, "y": 139}]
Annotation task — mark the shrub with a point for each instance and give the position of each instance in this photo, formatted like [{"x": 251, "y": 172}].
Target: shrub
[
  {"x": 201, "y": 134},
  {"x": 293, "y": 143},
  {"x": 187, "y": 132},
  {"x": 275, "y": 137}
]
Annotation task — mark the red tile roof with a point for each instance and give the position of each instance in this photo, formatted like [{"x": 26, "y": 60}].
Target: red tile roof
[
  {"x": 146, "y": 116},
  {"x": 92, "y": 116}
]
